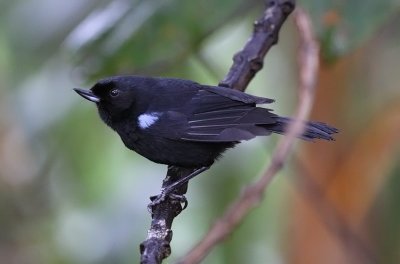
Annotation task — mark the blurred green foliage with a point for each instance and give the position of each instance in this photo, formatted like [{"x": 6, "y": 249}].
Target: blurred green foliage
[
  {"x": 342, "y": 26},
  {"x": 71, "y": 193}
]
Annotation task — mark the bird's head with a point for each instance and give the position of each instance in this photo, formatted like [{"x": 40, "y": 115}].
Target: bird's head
[{"x": 113, "y": 96}]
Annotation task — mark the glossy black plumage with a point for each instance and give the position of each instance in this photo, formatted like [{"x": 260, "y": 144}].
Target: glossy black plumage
[{"x": 182, "y": 123}]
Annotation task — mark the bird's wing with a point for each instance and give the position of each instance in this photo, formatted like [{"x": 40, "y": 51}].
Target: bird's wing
[
  {"x": 226, "y": 125},
  {"x": 234, "y": 95},
  {"x": 221, "y": 115}
]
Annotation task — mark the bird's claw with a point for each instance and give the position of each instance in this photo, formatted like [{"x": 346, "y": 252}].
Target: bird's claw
[
  {"x": 180, "y": 198},
  {"x": 158, "y": 199}
]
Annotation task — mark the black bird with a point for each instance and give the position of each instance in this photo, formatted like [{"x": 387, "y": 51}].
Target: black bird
[{"x": 182, "y": 123}]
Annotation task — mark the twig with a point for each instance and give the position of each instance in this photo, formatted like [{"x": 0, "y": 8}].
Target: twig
[
  {"x": 249, "y": 60},
  {"x": 252, "y": 195},
  {"x": 246, "y": 63},
  {"x": 156, "y": 247}
]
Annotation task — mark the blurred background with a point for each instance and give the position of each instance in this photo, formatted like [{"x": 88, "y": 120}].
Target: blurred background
[{"x": 70, "y": 192}]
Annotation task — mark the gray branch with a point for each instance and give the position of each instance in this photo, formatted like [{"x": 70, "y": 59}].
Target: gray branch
[{"x": 246, "y": 64}]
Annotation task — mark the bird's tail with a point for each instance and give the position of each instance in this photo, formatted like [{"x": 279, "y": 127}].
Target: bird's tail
[{"x": 313, "y": 130}]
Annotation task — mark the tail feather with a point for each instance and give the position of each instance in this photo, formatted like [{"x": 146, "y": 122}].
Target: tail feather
[{"x": 313, "y": 130}]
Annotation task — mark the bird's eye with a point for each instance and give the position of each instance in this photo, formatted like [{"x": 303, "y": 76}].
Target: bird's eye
[{"x": 114, "y": 92}]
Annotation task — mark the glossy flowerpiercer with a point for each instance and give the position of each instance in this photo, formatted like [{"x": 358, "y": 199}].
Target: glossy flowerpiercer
[{"x": 185, "y": 124}]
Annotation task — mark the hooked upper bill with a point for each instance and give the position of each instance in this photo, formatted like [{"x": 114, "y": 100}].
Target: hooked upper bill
[{"x": 87, "y": 94}]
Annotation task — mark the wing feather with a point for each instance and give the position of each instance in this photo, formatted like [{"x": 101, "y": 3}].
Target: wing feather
[
  {"x": 228, "y": 124},
  {"x": 238, "y": 95},
  {"x": 216, "y": 114}
]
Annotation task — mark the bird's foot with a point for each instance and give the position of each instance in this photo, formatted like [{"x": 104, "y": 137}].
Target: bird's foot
[
  {"x": 168, "y": 192},
  {"x": 158, "y": 199}
]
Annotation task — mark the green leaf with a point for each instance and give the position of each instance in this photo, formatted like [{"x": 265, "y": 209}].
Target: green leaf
[
  {"x": 342, "y": 26},
  {"x": 153, "y": 36}
]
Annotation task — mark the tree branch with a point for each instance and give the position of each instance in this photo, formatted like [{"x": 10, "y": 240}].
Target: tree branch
[
  {"x": 246, "y": 64},
  {"x": 156, "y": 247},
  {"x": 249, "y": 60},
  {"x": 252, "y": 195}
]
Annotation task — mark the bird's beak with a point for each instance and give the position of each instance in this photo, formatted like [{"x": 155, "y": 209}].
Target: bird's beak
[{"x": 87, "y": 94}]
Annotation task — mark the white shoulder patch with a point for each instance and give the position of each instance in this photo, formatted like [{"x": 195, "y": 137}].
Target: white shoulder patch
[{"x": 147, "y": 119}]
